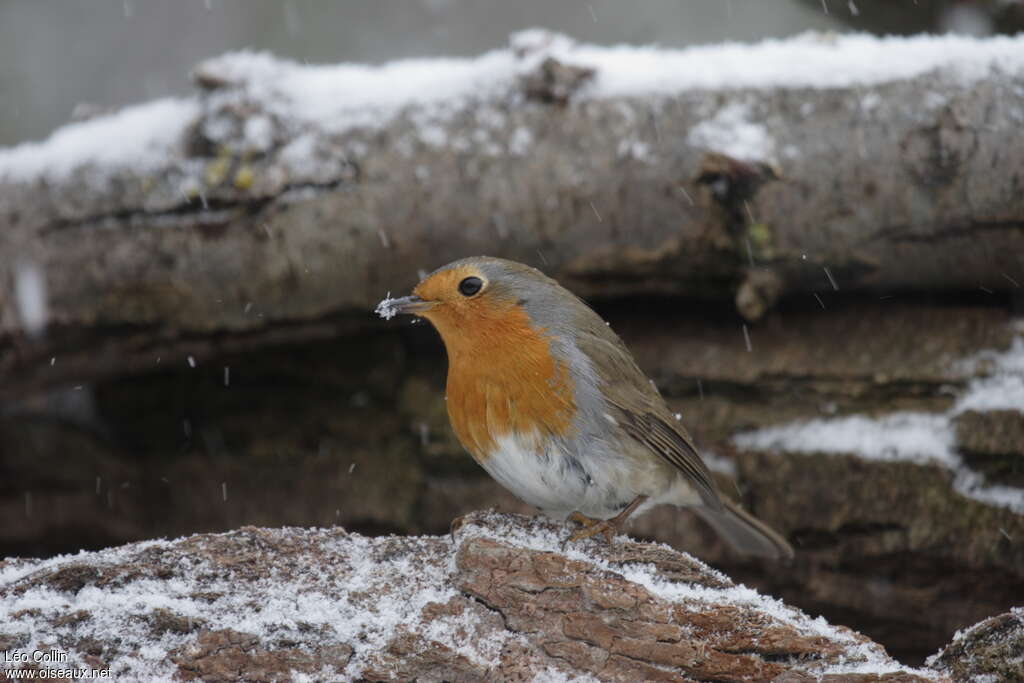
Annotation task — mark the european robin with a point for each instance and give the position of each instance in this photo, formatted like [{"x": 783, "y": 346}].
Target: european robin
[{"x": 547, "y": 399}]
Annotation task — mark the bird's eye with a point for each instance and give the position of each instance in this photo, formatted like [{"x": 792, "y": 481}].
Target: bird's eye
[{"x": 470, "y": 286}]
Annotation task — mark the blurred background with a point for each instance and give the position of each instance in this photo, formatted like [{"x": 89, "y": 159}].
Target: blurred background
[{"x": 342, "y": 422}]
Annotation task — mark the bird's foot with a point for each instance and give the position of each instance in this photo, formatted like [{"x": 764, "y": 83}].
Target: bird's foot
[
  {"x": 593, "y": 527},
  {"x": 607, "y": 527}
]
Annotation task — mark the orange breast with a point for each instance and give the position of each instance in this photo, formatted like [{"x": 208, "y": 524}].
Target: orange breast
[{"x": 502, "y": 379}]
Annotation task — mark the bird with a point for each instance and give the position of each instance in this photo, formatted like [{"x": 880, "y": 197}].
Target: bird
[{"x": 547, "y": 398}]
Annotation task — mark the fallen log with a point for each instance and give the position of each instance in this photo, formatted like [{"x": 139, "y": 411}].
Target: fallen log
[{"x": 281, "y": 201}]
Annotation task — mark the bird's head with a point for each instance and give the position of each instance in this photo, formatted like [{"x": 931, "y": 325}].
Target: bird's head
[{"x": 472, "y": 300}]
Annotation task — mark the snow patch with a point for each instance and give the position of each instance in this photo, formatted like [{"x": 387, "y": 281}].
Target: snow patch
[
  {"x": 334, "y": 99},
  {"x": 387, "y": 308},
  {"x": 259, "y": 133},
  {"x": 932, "y": 661},
  {"x": 362, "y": 592},
  {"x": 917, "y": 437},
  {"x": 808, "y": 60},
  {"x": 333, "y": 599},
  {"x": 339, "y": 97},
  {"x": 730, "y": 132},
  {"x": 1000, "y": 392},
  {"x": 140, "y": 138},
  {"x": 922, "y": 438},
  {"x": 300, "y": 154}
]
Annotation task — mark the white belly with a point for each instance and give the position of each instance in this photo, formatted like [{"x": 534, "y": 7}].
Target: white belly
[{"x": 558, "y": 482}]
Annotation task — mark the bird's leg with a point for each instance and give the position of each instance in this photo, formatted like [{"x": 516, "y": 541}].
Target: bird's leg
[
  {"x": 608, "y": 527},
  {"x": 582, "y": 519}
]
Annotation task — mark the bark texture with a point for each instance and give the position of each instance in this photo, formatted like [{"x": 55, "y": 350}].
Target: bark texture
[
  {"x": 908, "y": 185},
  {"x": 510, "y": 608},
  {"x": 988, "y": 649}
]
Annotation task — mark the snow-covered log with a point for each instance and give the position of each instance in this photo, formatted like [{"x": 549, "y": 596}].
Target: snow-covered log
[
  {"x": 499, "y": 600},
  {"x": 988, "y": 650},
  {"x": 281, "y": 195}
]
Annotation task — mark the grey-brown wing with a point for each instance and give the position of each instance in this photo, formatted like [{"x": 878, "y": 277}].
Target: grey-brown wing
[
  {"x": 644, "y": 415},
  {"x": 676, "y": 448}
]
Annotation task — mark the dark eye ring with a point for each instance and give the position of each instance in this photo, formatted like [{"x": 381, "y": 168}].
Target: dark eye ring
[{"x": 470, "y": 286}]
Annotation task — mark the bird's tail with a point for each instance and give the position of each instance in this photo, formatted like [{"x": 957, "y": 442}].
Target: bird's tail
[{"x": 745, "y": 533}]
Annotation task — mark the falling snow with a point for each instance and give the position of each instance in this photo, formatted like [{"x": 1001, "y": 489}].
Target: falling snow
[{"x": 30, "y": 297}]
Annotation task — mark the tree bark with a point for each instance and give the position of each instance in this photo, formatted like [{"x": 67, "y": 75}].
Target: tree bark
[
  {"x": 908, "y": 185},
  {"x": 497, "y": 600}
]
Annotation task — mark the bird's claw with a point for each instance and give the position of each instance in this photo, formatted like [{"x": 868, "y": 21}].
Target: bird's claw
[
  {"x": 608, "y": 527},
  {"x": 603, "y": 527},
  {"x": 455, "y": 525},
  {"x": 592, "y": 527}
]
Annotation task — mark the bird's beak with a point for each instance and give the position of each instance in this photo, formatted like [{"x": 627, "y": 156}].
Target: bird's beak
[
  {"x": 413, "y": 305},
  {"x": 406, "y": 305}
]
